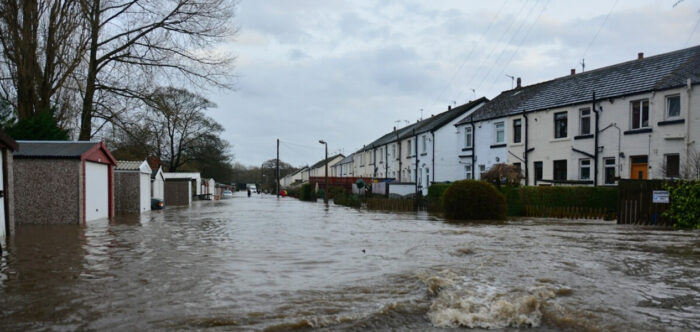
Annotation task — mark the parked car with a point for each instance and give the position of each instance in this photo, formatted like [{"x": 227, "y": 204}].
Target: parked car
[
  {"x": 227, "y": 194},
  {"x": 157, "y": 204}
]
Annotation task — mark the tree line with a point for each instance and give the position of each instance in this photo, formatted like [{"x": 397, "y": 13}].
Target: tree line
[{"x": 129, "y": 71}]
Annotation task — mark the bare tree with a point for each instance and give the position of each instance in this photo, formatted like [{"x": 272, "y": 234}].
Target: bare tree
[
  {"x": 134, "y": 43},
  {"x": 42, "y": 45}
]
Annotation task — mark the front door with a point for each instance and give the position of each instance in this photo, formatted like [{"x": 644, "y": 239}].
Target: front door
[{"x": 639, "y": 168}]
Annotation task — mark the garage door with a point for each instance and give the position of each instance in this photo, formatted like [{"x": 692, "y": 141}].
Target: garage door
[
  {"x": 96, "y": 191},
  {"x": 145, "y": 188}
]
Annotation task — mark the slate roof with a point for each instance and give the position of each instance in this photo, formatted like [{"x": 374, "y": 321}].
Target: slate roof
[
  {"x": 659, "y": 72},
  {"x": 318, "y": 164},
  {"x": 128, "y": 165},
  {"x": 347, "y": 159},
  {"x": 431, "y": 123},
  {"x": 53, "y": 149}
]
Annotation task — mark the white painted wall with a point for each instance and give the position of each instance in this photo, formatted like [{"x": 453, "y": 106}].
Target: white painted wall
[
  {"x": 96, "y": 191},
  {"x": 145, "y": 191},
  {"x": 485, "y": 137},
  {"x": 665, "y": 139},
  {"x": 186, "y": 175},
  {"x": 158, "y": 186}
]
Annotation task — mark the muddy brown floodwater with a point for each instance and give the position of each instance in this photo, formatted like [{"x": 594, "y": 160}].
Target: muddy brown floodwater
[{"x": 260, "y": 263}]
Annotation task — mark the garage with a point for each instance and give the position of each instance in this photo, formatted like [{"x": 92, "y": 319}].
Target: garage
[
  {"x": 132, "y": 180},
  {"x": 7, "y": 145},
  {"x": 63, "y": 182}
]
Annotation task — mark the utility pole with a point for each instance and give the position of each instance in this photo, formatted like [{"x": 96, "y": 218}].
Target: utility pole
[
  {"x": 278, "y": 169},
  {"x": 325, "y": 190}
]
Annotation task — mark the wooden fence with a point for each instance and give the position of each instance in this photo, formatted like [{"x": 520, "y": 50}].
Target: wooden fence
[
  {"x": 391, "y": 204},
  {"x": 635, "y": 205},
  {"x": 568, "y": 212}
]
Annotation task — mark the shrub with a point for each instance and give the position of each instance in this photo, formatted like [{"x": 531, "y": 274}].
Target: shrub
[
  {"x": 500, "y": 174},
  {"x": 684, "y": 207},
  {"x": 306, "y": 193},
  {"x": 435, "y": 193},
  {"x": 334, "y": 190},
  {"x": 41, "y": 126},
  {"x": 473, "y": 200},
  {"x": 345, "y": 199}
]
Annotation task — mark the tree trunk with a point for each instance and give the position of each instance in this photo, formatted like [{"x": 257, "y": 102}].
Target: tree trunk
[{"x": 86, "y": 114}]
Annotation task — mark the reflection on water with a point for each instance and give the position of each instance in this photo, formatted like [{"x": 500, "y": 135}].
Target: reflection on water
[{"x": 261, "y": 263}]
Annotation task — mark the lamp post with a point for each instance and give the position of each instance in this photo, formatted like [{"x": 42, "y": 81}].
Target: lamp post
[{"x": 325, "y": 190}]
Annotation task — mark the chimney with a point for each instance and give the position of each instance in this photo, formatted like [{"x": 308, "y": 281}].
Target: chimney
[
  {"x": 394, "y": 128},
  {"x": 519, "y": 82},
  {"x": 449, "y": 107},
  {"x": 640, "y": 55},
  {"x": 573, "y": 71}
]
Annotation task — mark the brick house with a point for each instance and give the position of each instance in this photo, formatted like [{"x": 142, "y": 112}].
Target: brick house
[{"x": 63, "y": 182}]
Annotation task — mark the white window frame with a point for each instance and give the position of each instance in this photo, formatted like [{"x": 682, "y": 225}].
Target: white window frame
[
  {"x": 581, "y": 167},
  {"x": 393, "y": 150},
  {"x": 641, "y": 114},
  {"x": 468, "y": 171},
  {"x": 520, "y": 126},
  {"x": 408, "y": 148},
  {"x": 381, "y": 155},
  {"x": 502, "y": 129},
  {"x": 425, "y": 144},
  {"x": 468, "y": 137},
  {"x": 580, "y": 120},
  {"x": 668, "y": 107},
  {"x": 566, "y": 118}
]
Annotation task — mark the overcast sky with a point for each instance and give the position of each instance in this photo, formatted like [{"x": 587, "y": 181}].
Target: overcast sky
[{"x": 349, "y": 71}]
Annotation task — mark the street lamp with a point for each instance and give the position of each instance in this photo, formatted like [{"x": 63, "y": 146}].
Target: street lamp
[{"x": 325, "y": 190}]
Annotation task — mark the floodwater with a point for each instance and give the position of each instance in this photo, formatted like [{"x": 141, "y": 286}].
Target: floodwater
[{"x": 263, "y": 263}]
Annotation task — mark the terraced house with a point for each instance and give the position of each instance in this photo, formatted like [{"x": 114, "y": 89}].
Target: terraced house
[{"x": 638, "y": 119}]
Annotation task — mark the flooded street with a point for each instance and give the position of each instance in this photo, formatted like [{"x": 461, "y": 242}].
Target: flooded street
[{"x": 261, "y": 263}]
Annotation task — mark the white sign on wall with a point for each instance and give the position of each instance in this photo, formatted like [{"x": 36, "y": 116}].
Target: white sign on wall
[{"x": 660, "y": 196}]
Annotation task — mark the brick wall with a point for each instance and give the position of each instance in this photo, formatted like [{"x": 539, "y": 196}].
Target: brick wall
[
  {"x": 47, "y": 191},
  {"x": 126, "y": 192}
]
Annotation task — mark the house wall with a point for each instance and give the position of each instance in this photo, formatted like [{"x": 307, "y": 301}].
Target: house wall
[
  {"x": 157, "y": 187},
  {"x": 485, "y": 147},
  {"x": 47, "y": 191},
  {"x": 614, "y": 143},
  {"x": 127, "y": 192},
  {"x": 8, "y": 181},
  {"x": 177, "y": 192}
]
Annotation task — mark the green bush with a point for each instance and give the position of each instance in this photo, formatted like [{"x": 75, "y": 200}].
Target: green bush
[
  {"x": 306, "y": 193},
  {"x": 345, "y": 199},
  {"x": 41, "y": 126},
  {"x": 514, "y": 199},
  {"x": 435, "y": 193},
  {"x": 473, "y": 200},
  {"x": 584, "y": 197},
  {"x": 334, "y": 190},
  {"x": 684, "y": 207}
]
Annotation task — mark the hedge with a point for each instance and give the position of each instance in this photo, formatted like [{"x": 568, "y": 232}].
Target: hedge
[
  {"x": 435, "y": 193},
  {"x": 345, "y": 199},
  {"x": 306, "y": 193},
  {"x": 581, "y": 197},
  {"x": 514, "y": 200},
  {"x": 685, "y": 204},
  {"x": 473, "y": 200}
]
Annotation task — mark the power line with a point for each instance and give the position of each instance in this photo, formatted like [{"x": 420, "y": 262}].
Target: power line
[
  {"x": 599, "y": 28},
  {"x": 692, "y": 32},
  {"x": 481, "y": 38},
  {"x": 522, "y": 41}
]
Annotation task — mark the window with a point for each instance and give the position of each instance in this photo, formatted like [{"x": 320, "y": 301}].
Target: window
[
  {"x": 500, "y": 132},
  {"x": 609, "y": 165},
  {"x": 425, "y": 144},
  {"x": 640, "y": 114},
  {"x": 393, "y": 150},
  {"x": 584, "y": 169},
  {"x": 381, "y": 155},
  {"x": 468, "y": 137},
  {"x": 584, "y": 121},
  {"x": 673, "y": 106},
  {"x": 468, "y": 171},
  {"x": 560, "y": 124},
  {"x": 408, "y": 147},
  {"x": 559, "y": 170},
  {"x": 517, "y": 130},
  {"x": 538, "y": 171},
  {"x": 482, "y": 169},
  {"x": 672, "y": 165}
]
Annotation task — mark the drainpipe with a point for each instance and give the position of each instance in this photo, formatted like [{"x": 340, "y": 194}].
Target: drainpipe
[
  {"x": 386, "y": 162},
  {"x": 398, "y": 146},
  {"x": 595, "y": 152},
  {"x": 415, "y": 173},
  {"x": 473, "y": 156},
  {"x": 374, "y": 162},
  {"x": 689, "y": 90},
  {"x": 527, "y": 176},
  {"x": 432, "y": 132}
]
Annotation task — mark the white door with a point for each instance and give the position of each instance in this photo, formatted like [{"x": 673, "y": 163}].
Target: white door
[
  {"x": 145, "y": 188},
  {"x": 96, "y": 191},
  {"x": 3, "y": 226}
]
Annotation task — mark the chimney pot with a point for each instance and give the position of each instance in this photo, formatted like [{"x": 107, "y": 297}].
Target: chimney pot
[
  {"x": 573, "y": 71},
  {"x": 640, "y": 55},
  {"x": 519, "y": 81},
  {"x": 449, "y": 107}
]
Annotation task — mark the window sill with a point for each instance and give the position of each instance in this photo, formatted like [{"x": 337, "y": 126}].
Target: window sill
[
  {"x": 583, "y": 136},
  {"x": 671, "y": 122},
  {"x": 423, "y": 154},
  {"x": 496, "y": 146},
  {"x": 467, "y": 149},
  {"x": 465, "y": 156},
  {"x": 638, "y": 131},
  {"x": 563, "y": 139},
  {"x": 517, "y": 144}
]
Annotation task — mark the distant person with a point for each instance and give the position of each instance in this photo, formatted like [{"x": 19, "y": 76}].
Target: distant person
[{"x": 248, "y": 192}]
